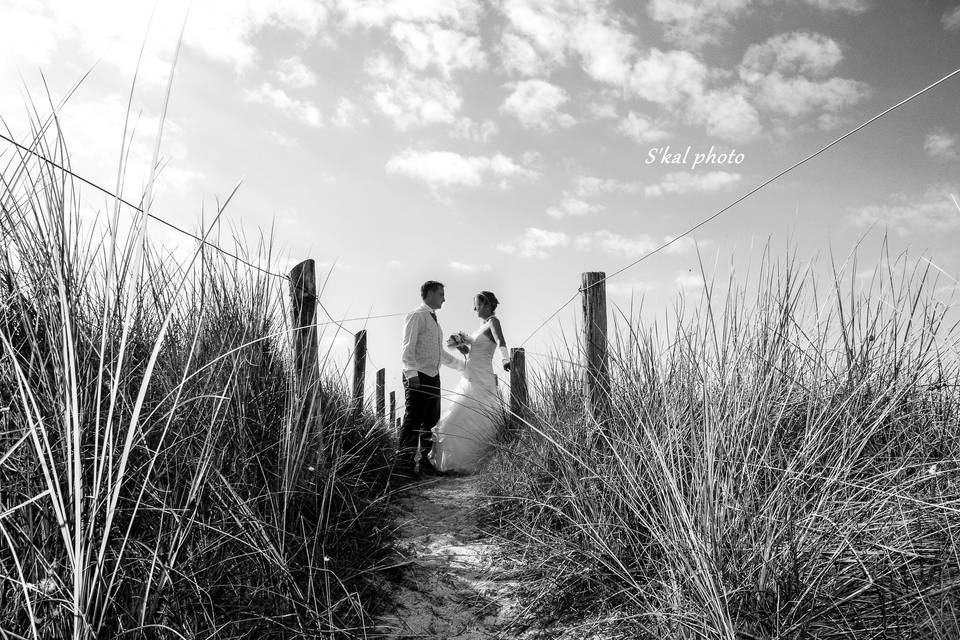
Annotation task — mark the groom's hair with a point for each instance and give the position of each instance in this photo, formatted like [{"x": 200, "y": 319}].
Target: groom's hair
[{"x": 428, "y": 286}]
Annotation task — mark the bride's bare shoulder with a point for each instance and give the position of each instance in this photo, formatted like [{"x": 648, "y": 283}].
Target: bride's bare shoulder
[{"x": 486, "y": 328}]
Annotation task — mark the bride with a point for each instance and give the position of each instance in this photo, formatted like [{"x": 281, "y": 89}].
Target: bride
[{"x": 469, "y": 425}]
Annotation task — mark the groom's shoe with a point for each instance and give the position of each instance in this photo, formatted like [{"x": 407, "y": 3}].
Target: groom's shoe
[{"x": 427, "y": 469}]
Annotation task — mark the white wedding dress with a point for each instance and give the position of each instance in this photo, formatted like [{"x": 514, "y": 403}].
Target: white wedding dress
[{"x": 468, "y": 427}]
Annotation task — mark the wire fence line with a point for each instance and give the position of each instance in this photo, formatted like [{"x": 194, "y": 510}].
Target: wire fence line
[
  {"x": 207, "y": 243},
  {"x": 137, "y": 207},
  {"x": 580, "y": 290},
  {"x": 749, "y": 193}
]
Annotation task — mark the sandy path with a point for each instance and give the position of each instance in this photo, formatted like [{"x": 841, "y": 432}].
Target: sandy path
[{"x": 456, "y": 583}]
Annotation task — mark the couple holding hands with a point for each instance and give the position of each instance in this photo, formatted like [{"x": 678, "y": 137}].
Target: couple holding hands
[{"x": 456, "y": 441}]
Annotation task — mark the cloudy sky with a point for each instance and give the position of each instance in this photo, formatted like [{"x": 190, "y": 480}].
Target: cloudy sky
[{"x": 510, "y": 145}]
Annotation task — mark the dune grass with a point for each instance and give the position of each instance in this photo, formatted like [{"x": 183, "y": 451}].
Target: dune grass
[
  {"x": 782, "y": 463},
  {"x": 154, "y": 480}
]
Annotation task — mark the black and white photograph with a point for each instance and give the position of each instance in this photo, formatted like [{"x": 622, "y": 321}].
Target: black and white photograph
[{"x": 480, "y": 319}]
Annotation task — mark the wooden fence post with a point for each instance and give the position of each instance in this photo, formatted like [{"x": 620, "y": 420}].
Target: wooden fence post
[
  {"x": 518, "y": 387},
  {"x": 303, "y": 317},
  {"x": 359, "y": 368},
  {"x": 381, "y": 400},
  {"x": 596, "y": 372},
  {"x": 393, "y": 409}
]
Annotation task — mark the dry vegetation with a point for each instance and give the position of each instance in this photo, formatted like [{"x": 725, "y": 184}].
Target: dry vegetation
[
  {"x": 782, "y": 464},
  {"x": 152, "y": 480},
  {"x": 779, "y": 464}
]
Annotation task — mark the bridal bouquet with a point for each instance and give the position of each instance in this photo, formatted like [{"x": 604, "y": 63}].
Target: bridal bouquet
[{"x": 457, "y": 340}]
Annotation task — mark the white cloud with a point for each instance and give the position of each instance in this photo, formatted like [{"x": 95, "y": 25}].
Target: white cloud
[
  {"x": 430, "y": 45},
  {"x": 335, "y": 340},
  {"x": 294, "y": 74},
  {"x": 935, "y": 211},
  {"x": 28, "y": 34},
  {"x": 605, "y": 49},
  {"x": 290, "y": 215},
  {"x": 571, "y": 206},
  {"x": 668, "y": 77},
  {"x": 614, "y": 243},
  {"x": 302, "y": 111},
  {"x": 113, "y": 30},
  {"x": 603, "y": 108},
  {"x": 628, "y": 289},
  {"x": 537, "y": 32},
  {"x": 798, "y": 96},
  {"x": 532, "y": 159},
  {"x": 686, "y": 244},
  {"x": 92, "y": 130},
  {"x": 846, "y": 6},
  {"x": 326, "y": 177},
  {"x": 951, "y": 19},
  {"x": 727, "y": 114},
  {"x": 518, "y": 54},
  {"x": 785, "y": 76},
  {"x": 627, "y": 246},
  {"x": 575, "y": 202},
  {"x": 467, "y": 129},
  {"x": 678, "y": 80},
  {"x": 681, "y": 182},
  {"x": 448, "y": 169},
  {"x": 695, "y": 23},
  {"x": 281, "y": 138},
  {"x": 469, "y": 268},
  {"x": 791, "y": 53},
  {"x": 689, "y": 281},
  {"x": 410, "y": 99},
  {"x": 543, "y": 34},
  {"x": 347, "y": 115},
  {"x": 590, "y": 186},
  {"x": 641, "y": 128},
  {"x": 176, "y": 179},
  {"x": 536, "y": 104},
  {"x": 224, "y": 29},
  {"x": 782, "y": 77},
  {"x": 535, "y": 243},
  {"x": 459, "y": 14},
  {"x": 941, "y": 145}
]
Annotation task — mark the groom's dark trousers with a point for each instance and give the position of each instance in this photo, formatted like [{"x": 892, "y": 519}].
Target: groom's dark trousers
[{"x": 420, "y": 414}]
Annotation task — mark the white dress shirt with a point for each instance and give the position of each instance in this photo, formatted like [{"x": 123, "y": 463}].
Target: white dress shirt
[{"x": 422, "y": 349}]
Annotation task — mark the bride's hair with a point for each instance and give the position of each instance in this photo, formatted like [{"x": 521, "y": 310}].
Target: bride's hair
[{"x": 487, "y": 296}]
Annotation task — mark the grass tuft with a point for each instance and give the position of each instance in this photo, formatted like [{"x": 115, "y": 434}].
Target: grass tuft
[
  {"x": 155, "y": 480},
  {"x": 778, "y": 464}
]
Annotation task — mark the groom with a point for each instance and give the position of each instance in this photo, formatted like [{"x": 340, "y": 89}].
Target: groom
[{"x": 422, "y": 353}]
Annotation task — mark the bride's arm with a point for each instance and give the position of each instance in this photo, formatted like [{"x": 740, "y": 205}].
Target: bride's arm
[
  {"x": 450, "y": 360},
  {"x": 497, "y": 332},
  {"x": 467, "y": 344}
]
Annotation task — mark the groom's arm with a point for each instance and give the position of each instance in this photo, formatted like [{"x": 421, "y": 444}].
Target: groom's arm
[{"x": 408, "y": 348}]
